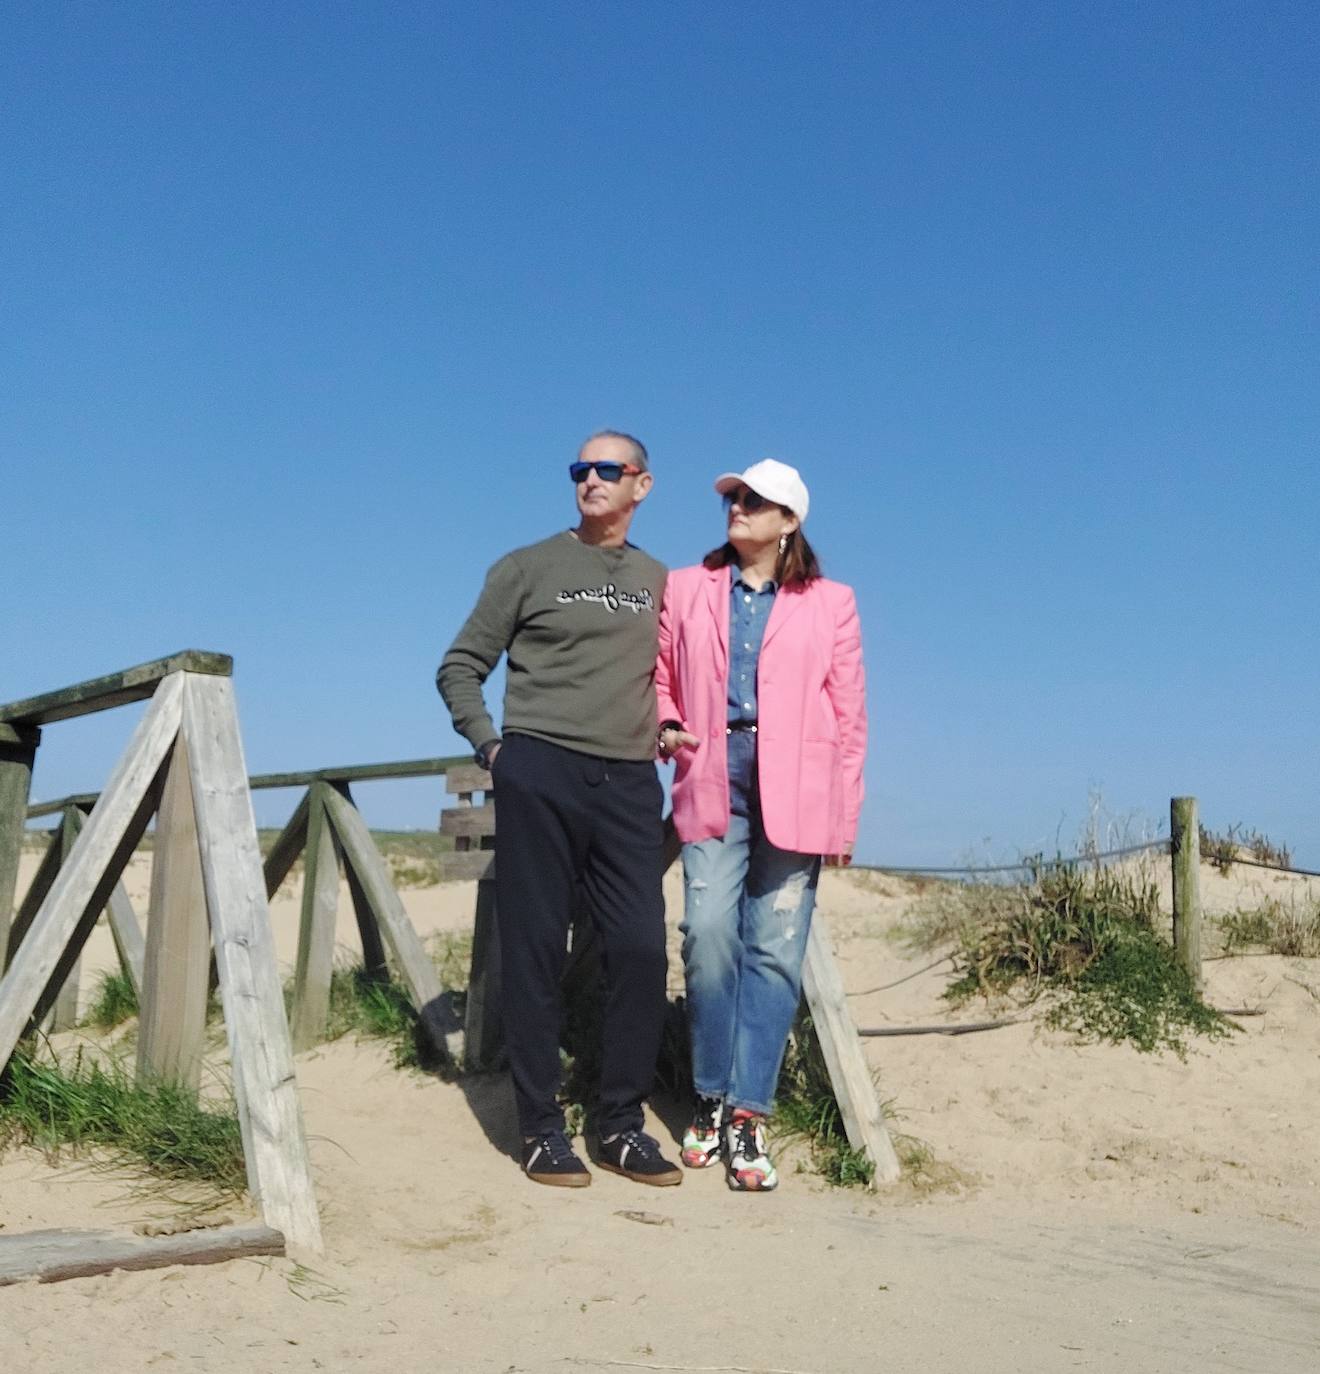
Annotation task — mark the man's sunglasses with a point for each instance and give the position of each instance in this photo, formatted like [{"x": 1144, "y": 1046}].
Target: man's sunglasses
[
  {"x": 607, "y": 472},
  {"x": 750, "y": 501}
]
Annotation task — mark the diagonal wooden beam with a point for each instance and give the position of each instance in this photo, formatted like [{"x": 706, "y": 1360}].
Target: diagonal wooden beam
[
  {"x": 842, "y": 1050},
  {"x": 83, "y": 886},
  {"x": 265, "y": 1089},
  {"x": 289, "y": 844},
  {"x": 411, "y": 959},
  {"x": 125, "y": 929}
]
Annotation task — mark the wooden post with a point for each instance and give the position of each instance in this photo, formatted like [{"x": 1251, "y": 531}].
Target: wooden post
[
  {"x": 176, "y": 970},
  {"x": 270, "y": 1116},
  {"x": 1185, "y": 835},
  {"x": 842, "y": 1050},
  {"x": 64, "y": 1014},
  {"x": 483, "y": 1039},
  {"x": 316, "y": 931},
  {"x": 18, "y": 747}
]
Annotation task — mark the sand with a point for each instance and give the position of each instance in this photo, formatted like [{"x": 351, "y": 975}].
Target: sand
[{"x": 1078, "y": 1207}]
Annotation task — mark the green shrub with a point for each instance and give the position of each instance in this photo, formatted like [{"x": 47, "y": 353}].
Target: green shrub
[{"x": 1090, "y": 937}]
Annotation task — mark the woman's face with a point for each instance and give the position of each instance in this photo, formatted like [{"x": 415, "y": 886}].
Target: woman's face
[{"x": 755, "y": 523}]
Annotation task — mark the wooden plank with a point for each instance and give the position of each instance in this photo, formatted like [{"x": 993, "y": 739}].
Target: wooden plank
[
  {"x": 289, "y": 844},
  {"x": 176, "y": 972},
  {"x": 1185, "y": 847},
  {"x": 265, "y": 1090},
  {"x": 483, "y": 1040},
  {"x": 18, "y": 748},
  {"x": 316, "y": 931},
  {"x": 468, "y": 777},
  {"x": 842, "y": 1050},
  {"x": 412, "y": 961},
  {"x": 83, "y": 886},
  {"x": 84, "y": 801},
  {"x": 115, "y": 689},
  {"x": 64, "y": 1013},
  {"x": 360, "y": 772},
  {"x": 49, "y": 1256},
  {"x": 472, "y": 821},
  {"x": 459, "y": 867}
]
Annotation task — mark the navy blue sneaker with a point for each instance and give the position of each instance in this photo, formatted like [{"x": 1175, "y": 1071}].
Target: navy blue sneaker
[
  {"x": 549, "y": 1158},
  {"x": 635, "y": 1155}
]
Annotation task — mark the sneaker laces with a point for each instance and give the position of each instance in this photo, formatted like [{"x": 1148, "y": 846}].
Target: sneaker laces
[
  {"x": 749, "y": 1137},
  {"x": 639, "y": 1141},
  {"x": 706, "y": 1117},
  {"x": 555, "y": 1146}
]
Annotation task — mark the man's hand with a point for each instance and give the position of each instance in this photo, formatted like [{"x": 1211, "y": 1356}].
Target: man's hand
[{"x": 672, "y": 740}]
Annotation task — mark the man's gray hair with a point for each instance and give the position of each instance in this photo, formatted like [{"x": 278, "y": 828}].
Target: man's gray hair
[{"x": 640, "y": 457}]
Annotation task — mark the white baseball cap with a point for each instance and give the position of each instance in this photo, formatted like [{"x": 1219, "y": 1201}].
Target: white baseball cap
[{"x": 772, "y": 479}]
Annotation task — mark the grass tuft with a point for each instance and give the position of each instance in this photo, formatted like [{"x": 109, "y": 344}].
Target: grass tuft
[
  {"x": 88, "y": 1104},
  {"x": 1279, "y": 927},
  {"x": 116, "y": 1001},
  {"x": 807, "y": 1110}
]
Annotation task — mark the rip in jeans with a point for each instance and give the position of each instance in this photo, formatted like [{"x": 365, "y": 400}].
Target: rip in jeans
[{"x": 788, "y": 900}]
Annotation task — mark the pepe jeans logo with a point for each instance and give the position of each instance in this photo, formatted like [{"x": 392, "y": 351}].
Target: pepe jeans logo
[{"x": 611, "y": 598}]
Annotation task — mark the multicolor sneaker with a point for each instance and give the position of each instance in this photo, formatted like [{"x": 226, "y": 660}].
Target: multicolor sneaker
[
  {"x": 749, "y": 1164},
  {"x": 549, "y": 1158},
  {"x": 635, "y": 1155},
  {"x": 702, "y": 1142}
]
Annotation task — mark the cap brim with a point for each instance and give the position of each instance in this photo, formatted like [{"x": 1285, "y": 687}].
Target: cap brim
[{"x": 727, "y": 482}]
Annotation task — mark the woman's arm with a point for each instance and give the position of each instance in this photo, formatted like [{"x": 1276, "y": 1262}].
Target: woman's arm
[
  {"x": 667, "y": 689},
  {"x": 845, "y": 685}
]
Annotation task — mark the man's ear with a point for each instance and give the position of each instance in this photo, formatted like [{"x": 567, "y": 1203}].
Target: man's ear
[{"x": 644, "y": 483}]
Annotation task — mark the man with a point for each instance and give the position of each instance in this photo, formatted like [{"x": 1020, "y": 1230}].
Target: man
[{"x": 577, "y": 801}]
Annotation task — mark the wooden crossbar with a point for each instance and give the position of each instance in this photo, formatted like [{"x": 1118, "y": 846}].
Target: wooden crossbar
[{"x": 115, "y": 689}]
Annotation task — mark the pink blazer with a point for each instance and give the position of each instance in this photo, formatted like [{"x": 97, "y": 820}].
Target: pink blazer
[{"x": 811, "y": 707}]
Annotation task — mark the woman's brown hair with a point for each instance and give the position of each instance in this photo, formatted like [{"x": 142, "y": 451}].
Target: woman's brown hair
[{"x": 795, "y": 567}]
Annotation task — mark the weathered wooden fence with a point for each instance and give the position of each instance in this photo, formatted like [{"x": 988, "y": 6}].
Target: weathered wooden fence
[{"x": 183, "y": 764}]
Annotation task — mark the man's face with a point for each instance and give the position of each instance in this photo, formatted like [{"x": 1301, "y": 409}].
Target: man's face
[{"x": 597, "y": 499}]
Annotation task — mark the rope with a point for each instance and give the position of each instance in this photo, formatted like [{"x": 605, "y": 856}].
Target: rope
[{"x": 1021, "y": 867}]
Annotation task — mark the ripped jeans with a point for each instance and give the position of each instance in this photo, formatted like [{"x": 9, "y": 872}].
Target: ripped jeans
[{"x": 746, "y": 918}]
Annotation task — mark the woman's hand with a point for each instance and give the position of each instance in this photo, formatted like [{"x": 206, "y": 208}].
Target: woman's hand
[
  {"x": 672, "y": 739},
  {"x": 839, "y": 860}
]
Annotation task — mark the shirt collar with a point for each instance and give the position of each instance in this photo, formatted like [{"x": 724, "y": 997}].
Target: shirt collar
[{"x": 736, "y": 581}]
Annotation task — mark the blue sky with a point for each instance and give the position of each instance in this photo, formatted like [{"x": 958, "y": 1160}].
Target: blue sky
[{"x": 306, "y": 307}]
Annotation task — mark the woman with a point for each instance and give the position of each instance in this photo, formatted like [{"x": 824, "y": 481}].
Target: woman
[{"x": 762, "y": 708}]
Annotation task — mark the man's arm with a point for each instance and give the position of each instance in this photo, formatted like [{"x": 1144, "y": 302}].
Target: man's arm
[{"x": 476, "y": 650}]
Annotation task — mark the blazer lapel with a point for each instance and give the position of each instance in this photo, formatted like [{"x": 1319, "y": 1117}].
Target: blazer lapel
[
  {"x": 787, "y": 605},
  {"x": 717, "y": 604}
]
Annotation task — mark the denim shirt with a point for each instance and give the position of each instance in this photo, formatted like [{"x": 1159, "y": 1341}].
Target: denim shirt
[{"x": 749, "y": 613}]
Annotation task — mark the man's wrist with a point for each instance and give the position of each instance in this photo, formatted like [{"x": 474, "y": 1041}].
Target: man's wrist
[{"x": 482, "y": 756}]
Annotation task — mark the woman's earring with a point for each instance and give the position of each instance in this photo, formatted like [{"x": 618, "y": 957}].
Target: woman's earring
[{"x": 783, "y": 542}]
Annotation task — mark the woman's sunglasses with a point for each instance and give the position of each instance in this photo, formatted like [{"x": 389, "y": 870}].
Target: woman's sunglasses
[
  {"x": 750, "y": 501},
  {"x": 607, "y": 472}
]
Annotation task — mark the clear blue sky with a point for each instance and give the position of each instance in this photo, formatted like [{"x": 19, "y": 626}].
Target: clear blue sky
[{"x": 305, "y": 307}]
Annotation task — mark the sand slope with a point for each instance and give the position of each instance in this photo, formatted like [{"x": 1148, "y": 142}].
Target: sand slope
[{"x": 1087, "y": 1207}]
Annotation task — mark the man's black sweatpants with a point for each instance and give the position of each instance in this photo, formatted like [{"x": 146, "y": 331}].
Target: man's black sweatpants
[{"x": 564, "y": 818}]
